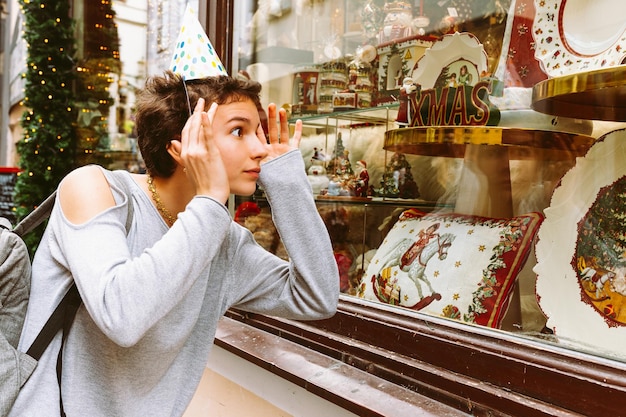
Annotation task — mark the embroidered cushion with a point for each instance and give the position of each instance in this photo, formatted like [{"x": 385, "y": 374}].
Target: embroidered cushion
[{"x": 451, "y": 265}]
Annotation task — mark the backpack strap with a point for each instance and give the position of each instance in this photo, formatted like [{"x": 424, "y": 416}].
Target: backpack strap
[
  {"x": 65, "y": 312},
  {"x": 36, "y": 217}
]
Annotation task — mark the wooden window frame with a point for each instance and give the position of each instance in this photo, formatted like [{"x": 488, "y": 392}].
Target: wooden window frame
[{"x": 474, "y": 369}]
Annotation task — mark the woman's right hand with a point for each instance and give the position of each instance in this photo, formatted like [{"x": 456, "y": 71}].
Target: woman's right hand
[{"x": 201, "y": 158}]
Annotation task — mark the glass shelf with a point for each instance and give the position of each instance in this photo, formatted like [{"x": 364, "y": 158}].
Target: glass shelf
[{"x": 373, "y": 116}]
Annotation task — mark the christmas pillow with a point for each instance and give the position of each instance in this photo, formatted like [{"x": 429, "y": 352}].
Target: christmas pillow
[{"x": 451, "y": 265}]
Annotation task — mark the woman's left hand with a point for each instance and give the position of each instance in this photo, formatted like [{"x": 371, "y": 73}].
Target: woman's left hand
[{"x": 279, "y": 142}]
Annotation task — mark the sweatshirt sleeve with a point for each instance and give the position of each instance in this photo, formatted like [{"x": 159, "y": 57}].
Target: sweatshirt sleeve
[
  {"x": 306, "y": 287},
  {"x": 126, "y": 296}
]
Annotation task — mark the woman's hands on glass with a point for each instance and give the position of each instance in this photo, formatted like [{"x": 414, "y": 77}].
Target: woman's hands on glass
[{"x": 279, "y": 141}]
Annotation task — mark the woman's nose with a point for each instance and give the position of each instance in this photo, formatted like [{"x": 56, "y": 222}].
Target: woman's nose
[{"x": 257, "y": 149}]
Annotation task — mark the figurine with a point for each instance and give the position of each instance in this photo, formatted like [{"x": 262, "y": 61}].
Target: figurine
[
  {"x": 397, "y": 177},
  {"x": 317, "y": 177},
  {"x": 346, "y": 166},
  {"x": 339, "y": 163},
  {"x": 363, "y": 179},
  {"x": 334, "y": 186},
  {"x": 452, "y": 82},
  {"x": 398, "y": 21},
  {"x": 405, "y": 110},
  {"x": 465, "y": 78}
]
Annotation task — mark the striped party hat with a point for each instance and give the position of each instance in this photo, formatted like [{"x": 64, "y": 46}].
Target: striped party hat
[{"x": 195, "y": 56}]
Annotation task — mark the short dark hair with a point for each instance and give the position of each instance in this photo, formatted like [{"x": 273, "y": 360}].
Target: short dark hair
[{"x": 162, "y": 111}]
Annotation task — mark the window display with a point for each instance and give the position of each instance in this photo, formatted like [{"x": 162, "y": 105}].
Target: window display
[
  {"x": 422, "y": 125},
  {"x": 365, "y": 86}
]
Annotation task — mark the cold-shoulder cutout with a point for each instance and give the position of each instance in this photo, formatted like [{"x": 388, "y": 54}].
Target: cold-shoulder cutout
[{"x": 84, "y": 193}]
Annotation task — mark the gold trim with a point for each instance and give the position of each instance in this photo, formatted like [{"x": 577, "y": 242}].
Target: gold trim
[
  {"x": 591, "y": 95},
  {"x": 451, "y": 141}
]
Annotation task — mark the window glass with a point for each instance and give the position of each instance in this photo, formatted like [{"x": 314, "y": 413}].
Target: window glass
[{"x": 433, "y": 174}]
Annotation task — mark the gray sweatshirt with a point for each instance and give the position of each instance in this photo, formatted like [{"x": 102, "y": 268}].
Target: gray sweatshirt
[{"x": 152, "y": 300}]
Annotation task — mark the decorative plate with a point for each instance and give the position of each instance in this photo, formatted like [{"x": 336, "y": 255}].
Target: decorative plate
[
  {"x": 581, "y": 252},
  {"x": 450, "y": 49},
  {"x": 579, "y": 35}
]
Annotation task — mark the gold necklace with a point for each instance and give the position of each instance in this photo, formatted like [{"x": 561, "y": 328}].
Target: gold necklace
[{"x": 169, "y": 219}]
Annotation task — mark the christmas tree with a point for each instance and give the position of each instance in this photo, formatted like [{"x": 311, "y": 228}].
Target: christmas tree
[{"x": 47, "y": 147}]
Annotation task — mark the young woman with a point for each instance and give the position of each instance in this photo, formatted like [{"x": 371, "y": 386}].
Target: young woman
[{"x": 153, "y": 294}]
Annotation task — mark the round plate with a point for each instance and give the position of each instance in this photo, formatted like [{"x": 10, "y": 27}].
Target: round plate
[
  {"x": 581, "y": 264},
  {"x": 579, "y": 35}
]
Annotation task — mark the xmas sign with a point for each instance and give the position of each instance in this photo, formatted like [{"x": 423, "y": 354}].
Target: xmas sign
[
  {"x": 450, "y": 106},
  {"x": 449, "y": 86}
]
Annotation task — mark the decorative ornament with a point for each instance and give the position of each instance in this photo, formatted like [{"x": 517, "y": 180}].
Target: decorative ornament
[
  {"x": 448, "y": 50},
  {"x": 366, "y": 53},
  {"x": 194, "y": 56},
  {"x": 397, "y": 22}
]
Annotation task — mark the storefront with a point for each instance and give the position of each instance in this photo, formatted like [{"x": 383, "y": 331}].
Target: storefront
[{"x": 467, "y": 158}]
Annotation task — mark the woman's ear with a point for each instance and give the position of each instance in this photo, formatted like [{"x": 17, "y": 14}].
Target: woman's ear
[{"x": 174, "y": 149}]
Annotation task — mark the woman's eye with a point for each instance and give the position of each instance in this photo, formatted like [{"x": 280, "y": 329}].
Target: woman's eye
[{"x": 237, "y": 132}]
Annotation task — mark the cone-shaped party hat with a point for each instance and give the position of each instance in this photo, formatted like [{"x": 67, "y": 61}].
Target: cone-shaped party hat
[{"x": 195, "y": 56}]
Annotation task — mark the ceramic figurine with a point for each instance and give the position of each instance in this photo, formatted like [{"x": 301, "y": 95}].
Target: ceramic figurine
[
  {"x": 362, "y": 179},
  {"x": 398, "y": 21},
  {"x": 465, "y": 78},
  {"x": 334, "y": 186},
  {"x": 317, "y": 177},
  {"x": 405, "y": 110}
]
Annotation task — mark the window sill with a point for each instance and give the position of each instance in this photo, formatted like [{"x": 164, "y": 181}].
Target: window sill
[
  {"x": 357, "y": 391},
  {"x": 469, "y": 368}
]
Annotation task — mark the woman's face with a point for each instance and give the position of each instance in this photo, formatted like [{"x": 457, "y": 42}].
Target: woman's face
[{"x": 234, "y": 126}]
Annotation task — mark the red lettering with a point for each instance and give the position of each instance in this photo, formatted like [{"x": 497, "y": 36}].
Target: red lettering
[
  {"x": 418, "y": 119},
  {"x": 465, "y": 107},
  {"x": 481, "y": 106},
  {"x": 437, "y": 109},
  {"x": 459, "y": 108},
  {"x": 416, "y": 116}
]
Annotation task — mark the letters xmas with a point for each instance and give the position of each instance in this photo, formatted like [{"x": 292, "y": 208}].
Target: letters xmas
[{"x": 449, "y": 106}]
